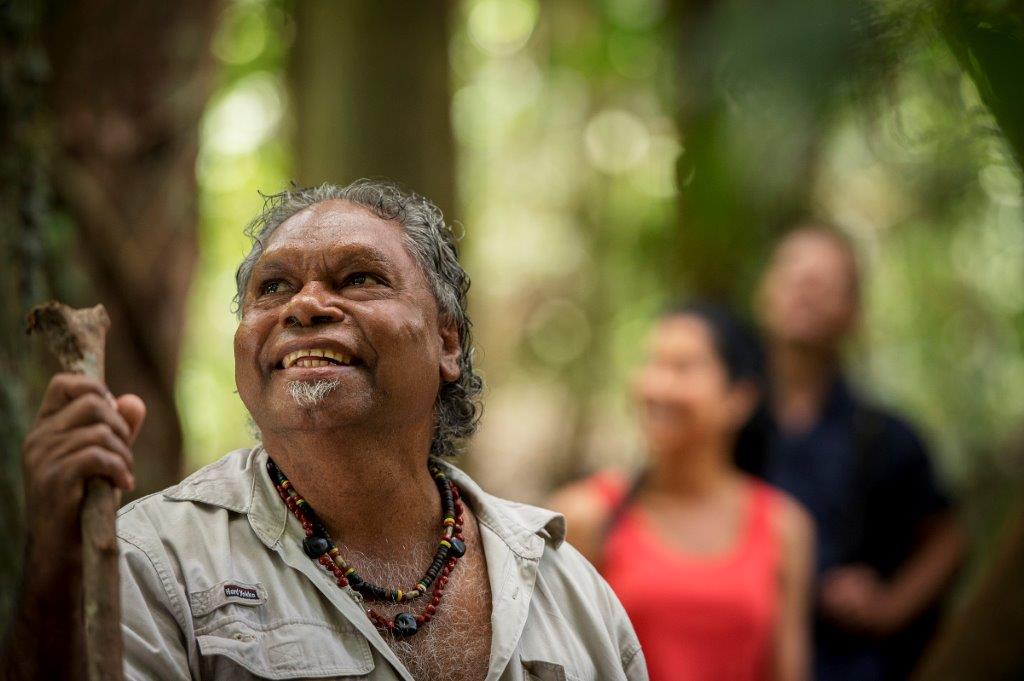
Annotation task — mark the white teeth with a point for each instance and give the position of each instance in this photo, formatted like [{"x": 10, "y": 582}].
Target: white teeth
[{"x": 309, "y": 358}]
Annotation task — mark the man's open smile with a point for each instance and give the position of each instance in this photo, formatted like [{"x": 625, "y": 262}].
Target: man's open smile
[{"x": 314, "y": 358}]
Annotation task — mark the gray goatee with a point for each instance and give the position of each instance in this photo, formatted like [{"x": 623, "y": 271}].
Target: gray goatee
[{"x": 310, "y": 394}]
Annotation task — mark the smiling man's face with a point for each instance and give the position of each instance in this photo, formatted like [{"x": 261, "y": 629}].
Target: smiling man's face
[{"x": 336, "y": 296}]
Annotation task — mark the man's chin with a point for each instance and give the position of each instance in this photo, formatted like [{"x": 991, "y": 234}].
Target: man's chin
[
  {"x": 331, "y": 414},
  {"x": 312, "y": 393}
]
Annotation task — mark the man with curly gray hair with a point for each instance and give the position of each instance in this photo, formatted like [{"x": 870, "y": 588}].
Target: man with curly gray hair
[{"x": 346, "y": 543}]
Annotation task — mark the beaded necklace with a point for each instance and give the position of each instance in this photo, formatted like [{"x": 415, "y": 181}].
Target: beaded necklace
[{"x": 319, "y": 546}]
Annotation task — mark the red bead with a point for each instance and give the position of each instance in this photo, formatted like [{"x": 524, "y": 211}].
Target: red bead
[
  {"x": 435, "y": 601},
  {"x": 342, "y": 582},
  {"x": 430, "y": 609},
  {"x": 420, "y": 619}
]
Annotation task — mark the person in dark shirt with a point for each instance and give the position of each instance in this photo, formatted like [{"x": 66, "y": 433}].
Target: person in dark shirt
[{"x": 888, "y": 540}]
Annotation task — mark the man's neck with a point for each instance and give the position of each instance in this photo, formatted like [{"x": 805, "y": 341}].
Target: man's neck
[
  {"x": 374, "y": 492},
  {"x": 801, "y": 380}
]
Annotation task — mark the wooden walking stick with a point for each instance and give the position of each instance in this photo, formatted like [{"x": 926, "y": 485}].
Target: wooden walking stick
[{"x": 77, "y": 338}]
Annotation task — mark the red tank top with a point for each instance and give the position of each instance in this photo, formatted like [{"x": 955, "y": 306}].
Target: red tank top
[{"x": 697, "y": 617}]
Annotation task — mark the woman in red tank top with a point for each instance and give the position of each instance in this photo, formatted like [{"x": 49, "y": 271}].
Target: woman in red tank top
[{"x": 713, "y": 567}]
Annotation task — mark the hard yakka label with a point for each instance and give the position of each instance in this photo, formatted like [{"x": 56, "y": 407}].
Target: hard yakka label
[{"x": 236, "y": 591}]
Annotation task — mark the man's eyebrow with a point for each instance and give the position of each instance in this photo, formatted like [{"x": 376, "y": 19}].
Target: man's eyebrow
[
  {"x": 359, "y": 255},
  {"x": 365, "y": 255}
]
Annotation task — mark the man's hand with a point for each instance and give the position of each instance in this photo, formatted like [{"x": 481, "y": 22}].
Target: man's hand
[
  {"x": 855, "y": 597},
  {"x": 81, "y": 431}
]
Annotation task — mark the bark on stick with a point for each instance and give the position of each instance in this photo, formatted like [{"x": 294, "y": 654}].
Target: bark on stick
[{"x": 78, "y": 338}]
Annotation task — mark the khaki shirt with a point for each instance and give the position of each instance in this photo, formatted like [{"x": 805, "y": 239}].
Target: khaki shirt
[{"x": 215, "y": 585}]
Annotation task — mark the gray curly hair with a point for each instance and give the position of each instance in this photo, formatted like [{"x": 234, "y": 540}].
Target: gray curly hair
[{"x": 433, "y": 244}]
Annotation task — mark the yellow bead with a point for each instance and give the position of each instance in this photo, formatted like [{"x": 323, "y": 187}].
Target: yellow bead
[
  {"x": 333, "y": 551},
  {"x": 446, "y": 544}
]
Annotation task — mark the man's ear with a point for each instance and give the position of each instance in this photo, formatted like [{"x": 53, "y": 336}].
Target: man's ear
[{"x": 451, "y": 352}]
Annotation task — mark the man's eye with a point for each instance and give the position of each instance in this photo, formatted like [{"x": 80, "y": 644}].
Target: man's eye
[
  {"x": 362, "y": 279},
  {"x": 272, "y": 286}
]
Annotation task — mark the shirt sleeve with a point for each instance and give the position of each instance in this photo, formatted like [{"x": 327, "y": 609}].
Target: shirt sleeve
[
  {"x": 619, "y": 627},
  {"x": 910, "y": 475},
  {"x": 153, "y": 618}
]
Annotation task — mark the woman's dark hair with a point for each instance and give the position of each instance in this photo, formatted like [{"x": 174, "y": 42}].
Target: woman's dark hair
[{"x": 738, "y": 347}]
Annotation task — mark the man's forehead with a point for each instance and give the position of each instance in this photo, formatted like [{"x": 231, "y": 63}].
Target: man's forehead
[
  {"x": 335, "y": 218},
  {"x": 336, "y": 226},
  {"x": 810, "y": 245}
]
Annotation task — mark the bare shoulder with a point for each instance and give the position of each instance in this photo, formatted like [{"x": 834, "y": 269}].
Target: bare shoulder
[
  {"x": 581, "y": 505},
  {"x": 792, "y": 523},
  {"x": 586, "y": 511}
]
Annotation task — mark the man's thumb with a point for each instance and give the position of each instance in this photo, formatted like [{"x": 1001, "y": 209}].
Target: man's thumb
[{"x": 133, "y": 409}]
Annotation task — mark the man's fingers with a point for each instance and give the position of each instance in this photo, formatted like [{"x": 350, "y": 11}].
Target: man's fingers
[
  {"x": 99, "y": 435},
  {"x": 92, "y": 462},
  {"x": 88, "y": 409},
  {"x": 64, "y": 388},
  {"x": 133, "y": 410}
]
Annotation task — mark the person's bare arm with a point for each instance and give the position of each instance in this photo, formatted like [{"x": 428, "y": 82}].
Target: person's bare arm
[
  {"x": 80, "y": 432},
  {"x": 585, "y": 516},
  {"x": 791, "y": 653},
  {"x": 928, "y": 572},
  {"x": 857, "y": 597}
]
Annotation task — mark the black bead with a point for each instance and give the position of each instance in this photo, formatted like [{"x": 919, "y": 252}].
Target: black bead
[
  {"x": 315, "y": 546},
  {"x": 355, "y": 581},
  {"x": 405, "y": 624},
  {"x": 314, "y": 519},
  {"x": 275, "y": 473},
  {"x": 458, "y": 549}
]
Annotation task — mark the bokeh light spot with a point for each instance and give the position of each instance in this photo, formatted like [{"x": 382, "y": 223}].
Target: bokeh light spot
[{"x": 502, "y": 27}]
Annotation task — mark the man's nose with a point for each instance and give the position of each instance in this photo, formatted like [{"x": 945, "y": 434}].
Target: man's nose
[{"x": 310, "y": 307}]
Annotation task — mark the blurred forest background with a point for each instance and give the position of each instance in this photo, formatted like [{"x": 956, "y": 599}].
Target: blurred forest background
[{"x": 602, "y": 159}]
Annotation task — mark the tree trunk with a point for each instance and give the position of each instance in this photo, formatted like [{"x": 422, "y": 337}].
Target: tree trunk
[
  {"x": 752, "y": 115},
  {"x": 129, "y": 84},
  {"x": 24, "y": 199},
  {"x": 370, "y": 94},
  {"x": 982, "y": 641}
]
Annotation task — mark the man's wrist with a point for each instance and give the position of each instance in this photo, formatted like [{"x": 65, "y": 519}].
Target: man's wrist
[{"x": 892, "y": 611}]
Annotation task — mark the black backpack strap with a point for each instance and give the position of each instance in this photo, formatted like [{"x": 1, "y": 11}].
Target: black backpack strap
[{"x": 619, "y": 510}]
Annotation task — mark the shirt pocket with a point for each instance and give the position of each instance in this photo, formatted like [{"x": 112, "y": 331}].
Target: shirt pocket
[
  {"x": 237, "y": 649},
  {"x": 539, "y": 670}
]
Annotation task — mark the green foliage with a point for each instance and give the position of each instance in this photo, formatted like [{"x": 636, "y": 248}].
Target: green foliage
[{"x": 243, "y": 149}]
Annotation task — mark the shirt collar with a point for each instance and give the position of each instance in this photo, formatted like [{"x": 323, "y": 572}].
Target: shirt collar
[
  {"x": 518, "y": 525},
  {"x": 239, "y": 482}
]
